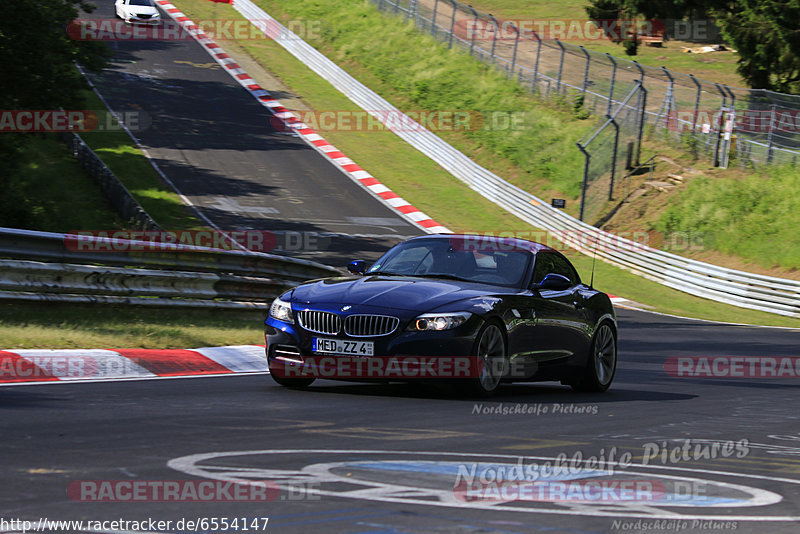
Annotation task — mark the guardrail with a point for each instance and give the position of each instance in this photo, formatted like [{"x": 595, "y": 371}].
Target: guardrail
[
  {"x": 143, "y": 272},
  {"x": 747, "y": 290},
  {"x": 115, "y": 191}
]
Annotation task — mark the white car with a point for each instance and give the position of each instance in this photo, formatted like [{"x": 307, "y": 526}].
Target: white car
[{"x": 138, "y": 11}]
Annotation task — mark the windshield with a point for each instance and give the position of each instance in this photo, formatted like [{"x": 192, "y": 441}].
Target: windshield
[
  {"x": 441, "y": 258},
  {"x": 141, "y": 3}
]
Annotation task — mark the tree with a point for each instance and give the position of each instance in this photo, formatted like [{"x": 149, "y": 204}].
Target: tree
[
  {"x": 38, "y": 55},
  {"x": 38, "y": 73},
  {"x": 767, "y": 36},
  {"x": 766, "y": 33}
]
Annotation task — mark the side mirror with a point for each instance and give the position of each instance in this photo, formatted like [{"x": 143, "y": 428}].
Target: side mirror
[
  {"x": 357, "y": 266},
  {"x": 554, "y": 282}
]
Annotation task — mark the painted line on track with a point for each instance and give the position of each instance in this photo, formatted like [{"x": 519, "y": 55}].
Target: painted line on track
[
  {"x": 48, "y": 366},
  {"x": 378, "y": 190}
]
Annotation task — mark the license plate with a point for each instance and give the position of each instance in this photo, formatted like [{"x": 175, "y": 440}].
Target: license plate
[{"x": 342, "y": 346}]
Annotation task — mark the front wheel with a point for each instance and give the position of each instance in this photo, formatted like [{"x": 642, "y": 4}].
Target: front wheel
[
  {"x": 601, "y": 363},
  {"x": 490, "y": 352}
]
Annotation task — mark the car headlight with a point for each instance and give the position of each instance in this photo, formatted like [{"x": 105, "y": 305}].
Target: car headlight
[
  {"x": 281, "y": 311},
  {"x": 439, "y": 321}
]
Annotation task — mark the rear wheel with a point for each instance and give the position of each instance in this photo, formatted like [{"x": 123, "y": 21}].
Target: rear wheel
[
  {"x": 601, "y": 363},
  {"x": 490, "y": 351}
]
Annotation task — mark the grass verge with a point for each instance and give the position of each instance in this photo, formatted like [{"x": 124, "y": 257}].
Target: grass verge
[
  {"x": 33, "y": 326},
  {"x": 754, "y": 216},
  {"x": 55, "y": 192},
  {"x": 130, "y": 165}
]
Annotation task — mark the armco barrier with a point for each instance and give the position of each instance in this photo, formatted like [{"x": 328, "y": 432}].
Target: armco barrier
[
  {"x": 747, "y": 290},
  {"x": 143, "y": 273},
  {"x": 124, "y": 203}
]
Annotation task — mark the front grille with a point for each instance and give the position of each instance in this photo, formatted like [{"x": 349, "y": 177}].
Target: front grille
[
  {"x": 142, "y": 16},
  {"x": 370, "y": 325},
  {"x": 320, "y": 322}
]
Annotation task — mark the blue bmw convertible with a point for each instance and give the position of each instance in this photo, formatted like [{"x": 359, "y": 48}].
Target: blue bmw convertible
[{"x": 477, "y": 310}]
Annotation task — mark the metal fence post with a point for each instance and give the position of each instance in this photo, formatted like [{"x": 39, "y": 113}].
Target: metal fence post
[
  {"x": 613, "y": 80},
  {"x": 585, "y": 178},
  {"x": 560, "y": 65},
  {"x": 696, "y": 104},
  {"x": 452, "y": 23},
  {"x": 771, "y": 134},
  {"x": 472, "y": 32},
  {"x": 719, "y": 130},
  {"x": 535, "y": 81},
  {"x": 433, "y": 18},
  {"x": 670, "y": 96},
  {"x": 516, "y": 45},
  {"x": 494, "y": 35},
  {"x": 585, "y": 70},
  {"x": 613, "y": 157},
  {"x": 642, "y": 119},
  {"x": 726, "y": 135}
]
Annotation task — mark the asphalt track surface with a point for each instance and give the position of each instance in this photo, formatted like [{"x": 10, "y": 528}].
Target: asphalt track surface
[
  {"x": 57, "y": 434},
  {"x": 381, "y": 458},
  {"x": 218, "y": 145}
]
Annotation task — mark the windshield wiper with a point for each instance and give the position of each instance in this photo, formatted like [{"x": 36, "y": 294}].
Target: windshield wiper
[
  {"x": 424, "y": 275},
  {"x": 444, "y": 275},
  {"x": 390, "y": 273}
]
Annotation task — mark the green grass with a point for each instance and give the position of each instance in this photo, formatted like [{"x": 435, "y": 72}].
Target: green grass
[
  {"x": 63, "y": 326},
  {"x": 754, "y": 217},
  {"x": 55, "y": 192},
  {"x": 127, "y": 162}
]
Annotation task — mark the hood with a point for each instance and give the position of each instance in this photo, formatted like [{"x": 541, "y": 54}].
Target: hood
[
  {"x": 395, "y": 292},
  {"x": 142, "y": 10}
]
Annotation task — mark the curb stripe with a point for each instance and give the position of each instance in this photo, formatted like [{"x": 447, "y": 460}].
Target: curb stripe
[
  {"x": 174, "y": 362},
  {"x": 15, "y": 368},
  {"x": 357, "y": 174},
  {"x": 239, "y": 359},
  {"x": 76, "y": 365},
  {"x": 97, "y": 365}
]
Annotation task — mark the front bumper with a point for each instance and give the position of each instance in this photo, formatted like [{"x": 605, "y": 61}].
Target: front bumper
[
  {"x": 153, "y": 21},
  {"x": 403, "y": 355}
]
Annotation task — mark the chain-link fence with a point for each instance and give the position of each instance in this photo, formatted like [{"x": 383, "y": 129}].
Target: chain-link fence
[
  {"x": 609, "y": 152},
  {"x": 728, "y": 125}
]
